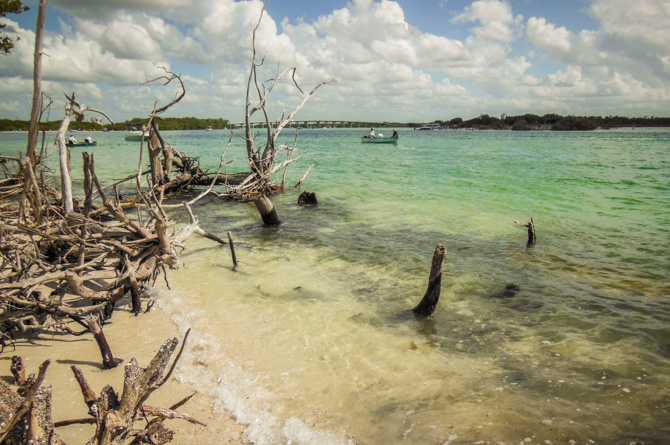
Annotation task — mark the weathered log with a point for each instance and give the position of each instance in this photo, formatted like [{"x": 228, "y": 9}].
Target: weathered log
[
  {"x": 307, "y": 198},
  {"x": 429, "y": 301},
  {"x": 531, "y": 231},
  {"x": 267, "y": 211}
]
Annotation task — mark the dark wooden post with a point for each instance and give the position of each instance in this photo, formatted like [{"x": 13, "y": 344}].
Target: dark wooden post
[
  {"x": 267, "y": 210},
  {"x": 108, "y": 359},
  {"x": 531, "y": 231},
  {"x": 429, "y": 301},
  {"x": 232, "y": 249}
]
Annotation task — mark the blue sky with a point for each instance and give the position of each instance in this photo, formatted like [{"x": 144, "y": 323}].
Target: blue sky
[{"x": 402, "y": 60}]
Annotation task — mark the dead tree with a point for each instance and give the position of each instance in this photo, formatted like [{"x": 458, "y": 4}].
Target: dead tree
[
  {"x": 530, "y": 225},
  {"x": 430, "y": 299},
  {"x": 31, "y": 157},
  {"x": 262, "y": 157},
  {"x": 72, "y": 108}
]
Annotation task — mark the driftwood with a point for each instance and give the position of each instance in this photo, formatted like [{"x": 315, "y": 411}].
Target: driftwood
[
  {"x": 65, "y": 261},
  {"x": 531, "y": 231},
  {"x": 116, "y": 416},
  {"x": 25, "y": 414},
  {"x": 430, "y": 299}
]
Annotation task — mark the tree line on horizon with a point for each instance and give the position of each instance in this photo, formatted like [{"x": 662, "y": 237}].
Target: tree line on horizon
[
  {"x": 524, "y": 122},
  {"x": 167, "y": 123},
  {"x": 554, "y": 122}
]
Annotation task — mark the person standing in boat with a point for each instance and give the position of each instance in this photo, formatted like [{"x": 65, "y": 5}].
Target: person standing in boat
[
  {"x": 72, "y": 140},
  {"x": 395, "y": 134},
  {"x": 372, "y": 134}
]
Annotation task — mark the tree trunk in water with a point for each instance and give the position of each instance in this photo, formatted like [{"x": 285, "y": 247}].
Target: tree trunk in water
[
  {"x": 267, "y": 210},
  {"x": 429, "y": 301},
  {"x": 531, "y": 232}
]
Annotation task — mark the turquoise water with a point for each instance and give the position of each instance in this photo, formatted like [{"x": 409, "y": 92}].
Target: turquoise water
[{"x": 309, "y": 340}]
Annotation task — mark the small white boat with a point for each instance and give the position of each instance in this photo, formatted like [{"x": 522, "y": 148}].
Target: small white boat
[
  {"x": 433, "y": 126},
  {"x": 208, "y": 129},
  {"x": 136, "y": 135},
  {"x": 379, "y": 140}
]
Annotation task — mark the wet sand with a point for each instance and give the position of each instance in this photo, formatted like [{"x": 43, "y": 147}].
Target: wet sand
[{"x": 129, "y": 337}]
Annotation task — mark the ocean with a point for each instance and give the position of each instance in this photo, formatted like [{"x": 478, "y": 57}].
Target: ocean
[{"x": 311, "y": 339}]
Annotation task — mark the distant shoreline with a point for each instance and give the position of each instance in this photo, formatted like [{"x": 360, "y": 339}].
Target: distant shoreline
[{"x": 525, "y": 122}]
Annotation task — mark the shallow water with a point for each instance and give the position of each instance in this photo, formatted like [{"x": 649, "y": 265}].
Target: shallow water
[{"x": 310, "y": 340}]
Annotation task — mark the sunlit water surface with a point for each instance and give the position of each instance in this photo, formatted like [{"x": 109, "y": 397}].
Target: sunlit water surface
[{"x": 310, "y": 338}]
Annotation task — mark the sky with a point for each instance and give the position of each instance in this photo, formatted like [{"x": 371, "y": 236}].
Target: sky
[{"x": 400, "y": 61}]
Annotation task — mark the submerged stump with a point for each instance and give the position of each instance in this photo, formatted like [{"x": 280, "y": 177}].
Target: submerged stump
[
  {"x": 307, "y": 198},
  {"x": 267, "y": 210},
  {"x": 429, "y": 301}
]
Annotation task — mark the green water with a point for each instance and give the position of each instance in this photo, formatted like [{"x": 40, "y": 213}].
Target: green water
[{"x": 309, "y": 340}]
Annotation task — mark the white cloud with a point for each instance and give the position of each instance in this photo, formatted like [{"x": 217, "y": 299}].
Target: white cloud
[
  {"x": 104, "y": 8},
  {"x": 387, "y": 68},
  {"x": 496, "y": 18},
  {"x": 9, "y": 108},
  {"x": 548, "y": 36},
  {"x": 643, "y": 24},
  {"x": 126, "y": 36}
]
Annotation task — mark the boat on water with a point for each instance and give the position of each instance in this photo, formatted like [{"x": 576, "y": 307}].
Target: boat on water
[
  {"x": 208, "y": 129},
  {"x": 136, "y": 135},
  {"x": 88, "y": 142},
  {"x": 433, "y": 126},
  {"x": 379, "y": 140},
  {"x": 82, "y": 144}
]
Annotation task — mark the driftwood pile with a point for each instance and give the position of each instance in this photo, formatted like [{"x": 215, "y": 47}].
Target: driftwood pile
[
  {"x": 25, "y": 415},
  {"x": 65, "y": 261}
]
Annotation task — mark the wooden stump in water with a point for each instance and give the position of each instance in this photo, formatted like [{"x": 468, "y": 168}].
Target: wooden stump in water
[
  {"x": 531, "y": 231},
  {"x": 267, "y": 210},
  {"x": 307, "y": 198},
  {"x": 429, "y": 301}
]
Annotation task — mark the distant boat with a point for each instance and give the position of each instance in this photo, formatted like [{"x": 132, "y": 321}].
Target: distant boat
[
  {"x": 208, "y": 129},
  {"x": 428, "y": 127},
  {"x": 136, "y": 135},
  {"x": 82, "y": 144},
  {"x": 379, "y": 140}
]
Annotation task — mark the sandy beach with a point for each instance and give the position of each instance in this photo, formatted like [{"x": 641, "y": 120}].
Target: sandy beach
[{"x": 129, "y": 337}]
